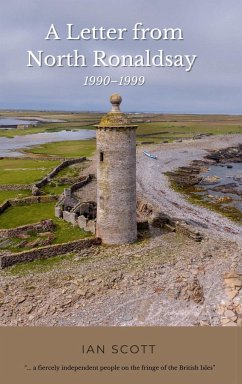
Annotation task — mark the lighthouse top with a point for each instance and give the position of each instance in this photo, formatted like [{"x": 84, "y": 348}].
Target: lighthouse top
[
  {"x": 115, "y": 118},
  {"x": 115, "y": 100}
]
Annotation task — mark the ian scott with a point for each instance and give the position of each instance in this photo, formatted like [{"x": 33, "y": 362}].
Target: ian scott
[{"x": 123, "y": 349}]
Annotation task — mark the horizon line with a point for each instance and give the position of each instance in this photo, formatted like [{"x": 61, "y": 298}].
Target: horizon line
[{"x": 124, "y": 111}]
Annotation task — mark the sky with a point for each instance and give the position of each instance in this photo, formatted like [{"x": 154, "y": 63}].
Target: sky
[{"x": 212, "y": 30}]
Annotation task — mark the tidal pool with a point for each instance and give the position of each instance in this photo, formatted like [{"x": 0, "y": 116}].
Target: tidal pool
[{"x": 222, "y": 184}]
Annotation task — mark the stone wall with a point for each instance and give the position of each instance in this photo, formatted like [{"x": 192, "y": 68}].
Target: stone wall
[
  {"x": 86, "y": 225},
  {"x": 33, "y": 200},
  {"x": 15, "y": 187},
  {"x": 81, "y": 183},
  {"x": 42, "y": 226},
  {"x": 46, "y": 252},
  {"x": 4, "y": 206},
  {"x": 56, "y": 170},
  {"x": 70, "y": 217},
  {"x": 80, "y": 221}
]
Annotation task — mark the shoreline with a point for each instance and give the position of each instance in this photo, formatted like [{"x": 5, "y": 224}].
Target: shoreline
[{"x": 154, "y": 186}]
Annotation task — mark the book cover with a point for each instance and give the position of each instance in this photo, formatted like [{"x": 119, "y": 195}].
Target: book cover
[{"x": 120, "y": 191}]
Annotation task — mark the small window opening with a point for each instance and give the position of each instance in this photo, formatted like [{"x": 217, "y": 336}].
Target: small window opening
[{"x": 101, "y": 156}]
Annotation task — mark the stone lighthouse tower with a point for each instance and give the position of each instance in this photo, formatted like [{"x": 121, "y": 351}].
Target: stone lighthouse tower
[{"x": 116, "y": 177}]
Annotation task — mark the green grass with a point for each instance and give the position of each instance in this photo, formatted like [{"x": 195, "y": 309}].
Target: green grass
[
  {"x": 65, "y": 148},
  {"x": 160, "y": 131},
  {"x": 24, "y": 171},
  {"x": 66, "y": 232},
  {"x": 6, "y": 195},
  {"x": 52, "y": 189},
  {"x": 66, "y": 116},
  {"x": 21, "y": 215},
  {"x": 73, "y": 170},
  {"x": 181, "y": 125},
  {"x": 155, "y": 132},
  {"x": 38, "y": 266},
  {"x": 158, "y": 127}
]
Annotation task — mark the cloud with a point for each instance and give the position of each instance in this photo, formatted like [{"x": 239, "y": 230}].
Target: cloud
[{"x": 212, "y": 30}]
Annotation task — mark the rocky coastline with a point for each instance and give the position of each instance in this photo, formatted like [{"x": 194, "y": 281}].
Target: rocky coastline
[{"x": 195, "y": 181}]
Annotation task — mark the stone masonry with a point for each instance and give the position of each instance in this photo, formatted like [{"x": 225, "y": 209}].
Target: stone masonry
[{"x": 116, "y": 177}]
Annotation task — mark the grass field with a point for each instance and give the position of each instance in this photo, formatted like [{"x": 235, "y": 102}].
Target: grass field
[
  {"x": 27, "y": 171},
  {"x": 154, "y": 132},
  {"x": 22, "y": 215},
  {"x": 52, "y": 115},
  {"x": 158, "y": 127},
  {"x": 24, "y": 171},
  {"x": 160, "y": 131},
  {"x": 54, "y": 189},
  {"x": 152, "y": 128},
  {"x": 65, "y": 149},
  {"x": 5, "y": 195}
]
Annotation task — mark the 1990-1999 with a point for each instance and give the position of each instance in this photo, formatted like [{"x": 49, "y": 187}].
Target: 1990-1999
[{"x": 107, "y": 80}]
